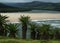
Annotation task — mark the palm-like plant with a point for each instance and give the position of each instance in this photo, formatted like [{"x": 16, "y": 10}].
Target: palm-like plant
[
  {"x": 57, "y": 33},
  {"x": 25, "y": 21},
  {"x": 33, "y": 27},
  {"x": 2, "y": 24},
  {"x": 44, "y": 31},
  {"x": 12, "y": 28}
]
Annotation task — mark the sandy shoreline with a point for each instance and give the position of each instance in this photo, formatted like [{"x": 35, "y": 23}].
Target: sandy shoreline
[{"x": 13, "y": 17}]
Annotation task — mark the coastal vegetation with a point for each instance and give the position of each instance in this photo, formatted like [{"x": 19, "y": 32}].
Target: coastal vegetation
[
  {"x": 44, "y": 33},
  {"x": 3, "y": 25},
  {"x": 24, "y": 21}
]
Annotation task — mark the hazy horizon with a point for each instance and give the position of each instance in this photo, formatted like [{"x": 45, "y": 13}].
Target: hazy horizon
[{"x": 8, "y": 1}]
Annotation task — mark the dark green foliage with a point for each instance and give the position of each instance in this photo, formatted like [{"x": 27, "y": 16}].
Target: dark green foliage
[
  {"x": 3, "y": 24},
  {"x": 12, "y": 29},
  {"x": 14, "y": 9},
  {"x": 48, "y": 32},
  {"x": 57, "y": 33},
  {"x": 32, "y": 29},
  {"x": 24, "y": 21},
  {"x": 43, "y": 31}
]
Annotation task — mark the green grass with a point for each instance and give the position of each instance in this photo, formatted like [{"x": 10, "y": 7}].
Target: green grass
[
  {"x": 27, "y": 41},
  {"x": 16, "y": 40}
]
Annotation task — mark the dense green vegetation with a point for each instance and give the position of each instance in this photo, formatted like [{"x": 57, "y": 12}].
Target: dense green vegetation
[
  {"x": 25, "y": 21},
  {"x": 3, "y": 25},
  {"x": 45, "y": 32},
  {"x": 14, "y": 9}
]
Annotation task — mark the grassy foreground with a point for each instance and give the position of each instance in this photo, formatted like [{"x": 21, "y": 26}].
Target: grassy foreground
[{"x": 26, "y": 41}]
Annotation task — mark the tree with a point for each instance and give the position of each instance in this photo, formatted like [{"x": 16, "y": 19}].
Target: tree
[
  {"x": 33, "y": 27},
  {"x": 2, "y": 24},
  {"x": 12, "y": 28},
  {"x": 57, "y": 33},
  {"x": 44, "y": 31},
  {"x": 25, "y": 21},
  {"x": 38, "y": 32}
]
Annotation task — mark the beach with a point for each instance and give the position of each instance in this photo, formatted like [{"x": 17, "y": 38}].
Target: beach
[{"x": 13, "y": 17}]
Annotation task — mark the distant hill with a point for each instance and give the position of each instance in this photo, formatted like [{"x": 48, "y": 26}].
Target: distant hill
[
  {"x": 35, "y": 5},
  {"x": 8, "y": 8},
  {"x": 5, "y": 6},
  {"x": 31, "y": 4}
]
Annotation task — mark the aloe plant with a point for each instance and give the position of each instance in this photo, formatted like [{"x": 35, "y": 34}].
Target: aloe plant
[
  {"x": 12, "y": 28},
  {"x": 24, "y": 21},
  {"x": 2, "y": 24}
]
